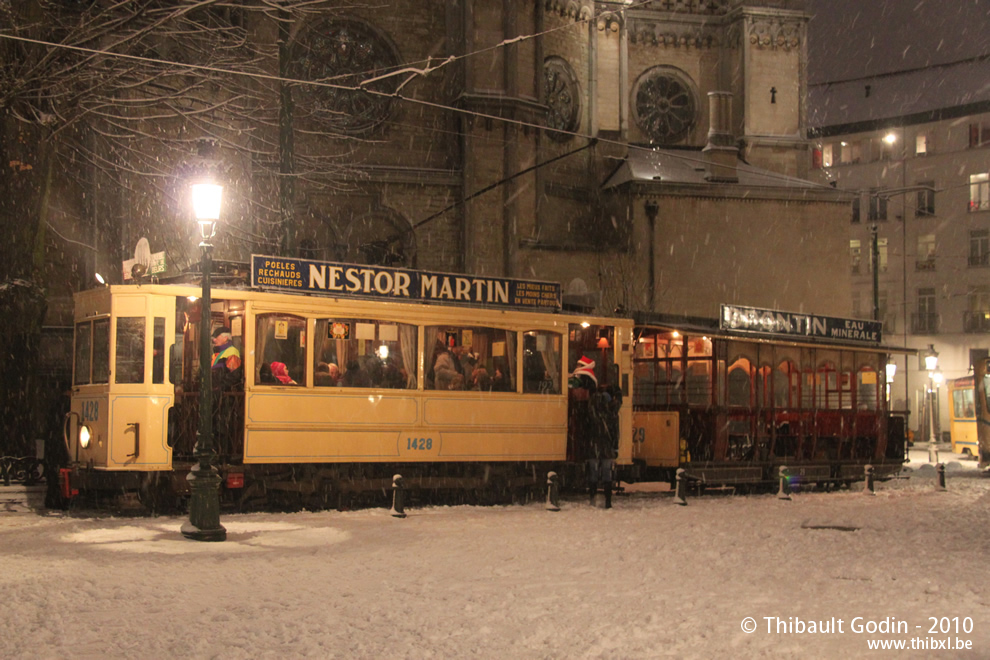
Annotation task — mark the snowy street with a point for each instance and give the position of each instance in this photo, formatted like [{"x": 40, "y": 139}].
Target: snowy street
[{"x": 646, "y": 579}]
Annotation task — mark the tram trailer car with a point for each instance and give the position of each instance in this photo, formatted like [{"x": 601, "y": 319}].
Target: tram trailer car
[
  {"x": 361, "y": 398},
  {"x": 749, "y": 403}
]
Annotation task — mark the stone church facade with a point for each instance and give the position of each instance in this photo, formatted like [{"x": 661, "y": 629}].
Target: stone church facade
[{"x": 646, "y": 155}]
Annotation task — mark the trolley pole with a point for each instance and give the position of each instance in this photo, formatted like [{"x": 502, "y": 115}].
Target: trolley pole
[{"x": 204, "y": 480}]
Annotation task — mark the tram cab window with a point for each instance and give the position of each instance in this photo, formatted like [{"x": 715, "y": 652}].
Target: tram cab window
[
  {"x": 158, "y": 354},
  {"x": 280, "y": 349},
  {"x": 365, "y": 353},
  {"x": 129, "y": 366},
  {"x": 84, "y": 337},
  {"x": 541, "y": 362},
  {"x": 470, "y": 358},
  {"x": 963, "y": 404},
  {"x": 101, "y": 351},
  {"x": 91, "y": 360}
]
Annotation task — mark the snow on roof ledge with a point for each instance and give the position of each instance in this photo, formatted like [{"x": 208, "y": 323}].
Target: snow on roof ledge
[{"x": 672, "y": 166}]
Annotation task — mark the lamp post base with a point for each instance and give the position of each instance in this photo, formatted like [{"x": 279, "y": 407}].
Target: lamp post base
[{"x": 204, "y": 506}]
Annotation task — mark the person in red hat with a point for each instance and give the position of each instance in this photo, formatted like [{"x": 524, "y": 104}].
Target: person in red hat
[{"x": 590, "y": 428}]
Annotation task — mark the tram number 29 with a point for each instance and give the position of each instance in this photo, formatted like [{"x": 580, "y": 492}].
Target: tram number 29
[
  {"x": 639, "y": 434},
  {"x": 419, "y": 444}
]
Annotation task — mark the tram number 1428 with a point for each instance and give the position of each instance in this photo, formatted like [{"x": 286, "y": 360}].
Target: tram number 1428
[{"x": 419, "y": 444}]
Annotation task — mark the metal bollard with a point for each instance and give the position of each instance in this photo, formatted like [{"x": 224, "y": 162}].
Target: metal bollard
[
  {"x": 679, "y": 487},
  {"x": 553, "y": 492},
  {"x": 940, "y": 477},
  {"x": 783, "y": 492},
  {"x": 869, "y": 489},
  {"x": 398, "y": 497}
]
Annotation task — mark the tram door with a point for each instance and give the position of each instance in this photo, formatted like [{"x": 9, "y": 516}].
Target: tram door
[{"x": 228, "y": 389}]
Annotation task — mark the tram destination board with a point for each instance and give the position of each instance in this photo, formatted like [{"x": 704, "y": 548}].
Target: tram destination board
[
  {"x": 325, "y": 278},
  {"x": 776, "y": 323}
]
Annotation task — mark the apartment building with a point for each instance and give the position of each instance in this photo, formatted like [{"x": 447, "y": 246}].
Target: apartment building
[{"x": 912, "y": 148}]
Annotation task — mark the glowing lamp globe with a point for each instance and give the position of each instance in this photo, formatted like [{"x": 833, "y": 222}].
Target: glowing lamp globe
[{"x": 206, "y": 201}]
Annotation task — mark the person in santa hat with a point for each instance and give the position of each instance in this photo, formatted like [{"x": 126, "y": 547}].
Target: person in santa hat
[{"x": 589, "y": 427}]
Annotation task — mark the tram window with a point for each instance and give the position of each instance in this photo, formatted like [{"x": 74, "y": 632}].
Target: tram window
[
  {"x": 645, "y": 348},
  {"x": 84, "y": 335},
  {"x": 963, "y": 404},
  {"x": 866, "y": 389},
  {"x": 644, "y": 391},
  {"x": 129, "y": 367},
  {"x": 740, "y": 383},
  {"x": 471, "y": 357},
  {"x": 699, "y": 381},
  {"x": 827, "y": 388},
  {"x": 671, "y": 387},
  {"x": 101, "y": 351},
  {"x": 281, "y": 350},
  {"x": 787, "y": 386},
  {"x": 670, "y": 345},
  {"x": 845, "y": 390},
  {"x": 541, "y": 363},
  {"x": 365, "y": 353},
  {"x": 764, "y": 387},
  {"x": 699, "y": 347},
  {"x": 158, "y": 354}
]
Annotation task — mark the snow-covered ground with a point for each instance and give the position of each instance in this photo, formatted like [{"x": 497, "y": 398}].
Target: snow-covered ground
[{"x": 645, "y": 579}]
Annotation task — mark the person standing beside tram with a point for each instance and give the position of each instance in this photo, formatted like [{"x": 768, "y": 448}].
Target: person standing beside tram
[
  {"x": 227, "y": 377},
  {"x": 594, "y": 423}
]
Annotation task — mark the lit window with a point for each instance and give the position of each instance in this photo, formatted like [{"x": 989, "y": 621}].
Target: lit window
[
  {"x": 827, "y": 155},
  {"x": 979, "y": 192},
  {"x": 881, "y": 255},
  {"x": 926, "y": 252},
  {"x": 921, "y": 145}
]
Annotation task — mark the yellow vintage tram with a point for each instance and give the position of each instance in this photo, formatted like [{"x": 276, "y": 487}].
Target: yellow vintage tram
[
  {"x": 361, "y": 392},
  {"x": 962, "y": 419}
]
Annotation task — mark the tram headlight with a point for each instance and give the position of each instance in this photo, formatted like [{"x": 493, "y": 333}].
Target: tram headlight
[{"x": 85, "y": 435}]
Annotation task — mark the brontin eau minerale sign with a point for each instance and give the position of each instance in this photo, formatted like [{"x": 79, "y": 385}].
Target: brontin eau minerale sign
[
  {"x": 338, "y": 279},
  {"x": 774, "y": 322}
]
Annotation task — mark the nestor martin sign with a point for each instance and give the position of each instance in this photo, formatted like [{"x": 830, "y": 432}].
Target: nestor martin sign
[{"x": 338, "y": 279}]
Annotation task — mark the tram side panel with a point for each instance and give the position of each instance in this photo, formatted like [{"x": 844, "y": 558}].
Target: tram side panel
[{"x": 294, "y": 427}]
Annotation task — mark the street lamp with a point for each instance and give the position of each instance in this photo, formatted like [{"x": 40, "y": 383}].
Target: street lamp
[
  {"x": 931, "y": 364},
  {"x": 204, "y": 480}
]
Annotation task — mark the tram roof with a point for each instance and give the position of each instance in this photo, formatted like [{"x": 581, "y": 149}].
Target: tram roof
[{"x": 697, "y": 325}]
